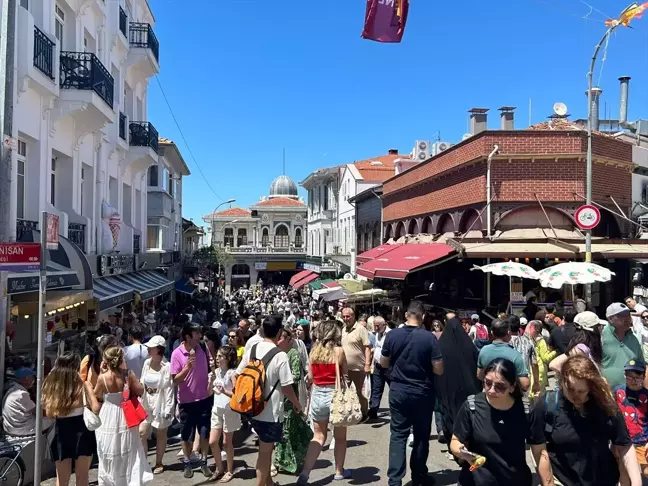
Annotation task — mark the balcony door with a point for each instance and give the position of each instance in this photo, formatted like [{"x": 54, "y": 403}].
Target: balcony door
[
  {"x": 282, "y": 238},
  {"x": 59, "y": 26}
]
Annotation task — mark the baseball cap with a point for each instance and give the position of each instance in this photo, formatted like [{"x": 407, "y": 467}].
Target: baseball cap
[
  {"x": 23, "y": 372},
  {"x": 523, "y": 321},
  {"x": 617, "y": 309},
  {"x": 633, "y": 365},
  {"x": 587, "y": 320},
  {"x": 475, "y": 317},
  {"x": 155, "y": 341}
]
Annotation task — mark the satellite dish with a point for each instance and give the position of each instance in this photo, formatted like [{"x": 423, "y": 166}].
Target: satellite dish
[{"x": 560, "y": 109}]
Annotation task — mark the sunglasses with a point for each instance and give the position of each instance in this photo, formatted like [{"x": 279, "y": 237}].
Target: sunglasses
[
  {"x": 636, "y": 379},
  {"x": 498, "y": 387},
  {"x": 232, "y": 336},
  {"x": 644, "y": 317}
]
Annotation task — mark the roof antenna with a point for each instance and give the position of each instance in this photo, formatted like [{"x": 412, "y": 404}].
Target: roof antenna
[{"x": 284, "y": 161}]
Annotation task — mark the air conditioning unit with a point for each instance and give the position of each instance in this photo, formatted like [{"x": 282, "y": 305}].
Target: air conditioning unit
[
  {"x": 439, "y": 147},
  {"x": 421, "y": 150}
]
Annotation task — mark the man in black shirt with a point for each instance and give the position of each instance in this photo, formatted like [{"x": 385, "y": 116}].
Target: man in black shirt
[
  {"x": 413, "y": 356},
  {"x": 561, "y": 335}
]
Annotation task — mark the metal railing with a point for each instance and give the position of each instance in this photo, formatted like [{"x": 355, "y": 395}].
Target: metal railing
[
  {"x": 76, "y": 234},
  {"x": 143, "y": 134},
  {"x": 23, "y": 226},
  {"x": 264, "y": 249},
  {"x": 123, "y": 22},
  {"x": 136, "y": 243},
  {"x": 142, "y": 35},
  {"x": 83, "y": 70},
  {"x": 122, "y": 126},
  {"x": 43, "y": 53}
]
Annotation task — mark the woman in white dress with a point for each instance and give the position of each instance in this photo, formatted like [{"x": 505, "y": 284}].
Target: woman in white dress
[
  {"x": 157, "y": 399},
  {"x": 122, "y": 460}
]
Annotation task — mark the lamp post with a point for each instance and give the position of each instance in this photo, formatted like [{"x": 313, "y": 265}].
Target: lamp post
[
  {"x": 219, "y": 263},
  {"x": 211, "y": 248}
]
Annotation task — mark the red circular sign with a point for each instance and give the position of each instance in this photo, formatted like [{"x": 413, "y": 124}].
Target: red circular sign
[{"x": 587, "y": 217}]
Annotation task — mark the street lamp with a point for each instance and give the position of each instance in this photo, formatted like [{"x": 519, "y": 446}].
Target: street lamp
[{"x": 213, "y": 222}]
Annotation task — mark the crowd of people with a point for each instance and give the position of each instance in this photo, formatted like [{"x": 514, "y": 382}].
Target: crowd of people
[{"x": 275, "y": 361}]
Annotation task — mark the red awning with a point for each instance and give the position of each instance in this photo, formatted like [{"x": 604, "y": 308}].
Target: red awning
[
  {"x": 376, "y": 252},
  {"x": 306, "y": 280},
  {"x": 331, "y": 285},
  {"x": 298, "y": 276},
  {"x": 398, "y": 263}
]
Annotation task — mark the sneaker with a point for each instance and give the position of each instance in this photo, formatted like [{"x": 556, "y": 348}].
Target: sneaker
[
  {"x": 188, "y": 470},
  {"x": 195, "y": 456},
  {"x": 204, "y": 469},
  {"x": 410, "y": 440}
]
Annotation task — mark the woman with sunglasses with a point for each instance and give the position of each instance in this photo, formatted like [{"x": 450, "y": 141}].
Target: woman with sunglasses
[
  {"x": 584, "y": 429},
  {"x": 644, "y": 345},
  {"x": 497, "y": 425},
  {"x": 236, "y": 341}
]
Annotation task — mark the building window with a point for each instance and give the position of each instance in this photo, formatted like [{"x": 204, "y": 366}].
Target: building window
[
  {"x": 22, "y": 162},
  {"x": 282, "y": 238},
  {"x": 171, "y": 188},
  {"x": 24, "y": 4},
  {"x": 265, "y": 237},
  {"x": 298, "y": 238},
  {"x": 326, "y": 197},
  {"x": 228, "y": 238},
  {"x": 82, "y": 181},
  {"x": 154, "y": 237},
  {"x": 153, "y": 176},
  {"x": 59, "y": 22},
  {"x": 53, "y": 183},
  {"x": 164, "y": 179},
  {"x": 241, "y": 237}
]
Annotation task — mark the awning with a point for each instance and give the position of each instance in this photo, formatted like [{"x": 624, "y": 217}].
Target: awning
[
  {"x": 118, "y": 289},
  {"x": 337, "y": 293},
  {"x": 67, "y": 267},
  {"x": 617, "y": 250},
  {"x": 506, "y": 249},
  {"x": 306, "y": 280},
  {"x": 317, "y": 284},
  {"x": 398, "y": 263},
  {"x": 185, "y": 287},
  {"x": 376, "y": 252},
  {"x": 298, "y": 276},
  {"x": 331, "y": 285}
]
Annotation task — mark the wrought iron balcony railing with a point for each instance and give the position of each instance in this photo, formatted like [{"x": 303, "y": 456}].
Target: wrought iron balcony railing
[
  {"x": 43, "y": 53},
  {"x": 122, "y": 126},
  {"x": 143, "y": 134},
  {"x": 76, "y": 234},
  {"x": 136, "y": 243},
  {"x": 142, "y": 35},
  {"x": 83, "y": 70},
  {"x": 23, "y": 226}
]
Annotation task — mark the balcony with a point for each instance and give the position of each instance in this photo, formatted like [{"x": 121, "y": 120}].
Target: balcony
[
  {"x": 265, "y": 249},
  {"x": 143, "y": 134},
  {"x": 76, "y": 234},
  {"x": 43, "y": 53},
  {"x": 123, "y": 22},
  {"x": 122, "y": 126},
  {"x": 23, "y": 226},
  {"x": 144, "y": 53},
  {"x": 84, "y": 71},
  {"x": 136, "y": 244}
]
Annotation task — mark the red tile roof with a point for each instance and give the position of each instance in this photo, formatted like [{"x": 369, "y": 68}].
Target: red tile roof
[
  {"x": 280, "y": 201},
  {"x": 236, "y": 212},
  {"x": 373, "y": 172}
]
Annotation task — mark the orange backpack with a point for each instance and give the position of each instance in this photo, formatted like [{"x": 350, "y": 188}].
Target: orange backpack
[{"x": 247, "y": 398}]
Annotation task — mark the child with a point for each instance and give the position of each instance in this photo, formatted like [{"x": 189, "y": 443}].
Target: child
[
  {"x": 632, "y": 399},
  {"x": 224, "y": 419}
]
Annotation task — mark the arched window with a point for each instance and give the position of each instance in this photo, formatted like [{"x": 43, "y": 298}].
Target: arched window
[
  {"x": 282, "y": 238},
  {"x": 228, "y": 238},
  {"x": 241, "y": 237},
  {"x": 298, "y": 238},
  {"x": 375, "y": 235},
  {"x": 265, "y": 237}
]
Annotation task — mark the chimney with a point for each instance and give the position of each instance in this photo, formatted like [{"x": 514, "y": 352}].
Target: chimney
[
  {"x": 478, "y": 120},
  {"x": 392, "y": 151},
  {"x": 596, "y": 94},
  {"x": 623, "y": 100},
  {"x": 506, "y": 117},
  {"x": 398, "y": 166}
]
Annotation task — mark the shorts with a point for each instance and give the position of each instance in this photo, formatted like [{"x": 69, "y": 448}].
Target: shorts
[
  {"x": 320, "y": 404},
  {"x": 225, "y": 419},
  {"x": 641, "y": 455},
  {"x": 195, "y": 415},
  {"x": 268, "y": 432}
]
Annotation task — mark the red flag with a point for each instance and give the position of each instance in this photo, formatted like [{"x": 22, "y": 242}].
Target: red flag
[{"x": 385, "y": 20}]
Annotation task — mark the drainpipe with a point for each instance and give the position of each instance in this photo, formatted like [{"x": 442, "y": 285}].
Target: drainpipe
[{"x": 488, "y": 190}]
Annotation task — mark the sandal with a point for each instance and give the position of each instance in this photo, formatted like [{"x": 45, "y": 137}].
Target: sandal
[
  {"x": 227, "y": 477},
  {"x": 158, "y": 469},
  {"x": 273, "y": 471},
  {"x": 215, "y": 476}
]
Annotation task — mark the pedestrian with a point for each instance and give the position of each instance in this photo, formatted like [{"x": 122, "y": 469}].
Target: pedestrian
[
  {"x": 562, "y": 334},
  {"x": 122, "y": 459},
  {"x": 224, "y": 421},
  {"x": 303, "y": 334},
  {"x": 500, "y": 348},
  {"x": 236, "y": 341},
  {"x": 586, "y": 341},
  {"x": 543, "y": 355},
  {"x": 357, "y": 349},
  {"x": 278, "y": 382},
  {"x": 64, "y": 396},
  {"x": 157, "y": 399},
  {"x": 459, "y": 378},
  {"x": 619, "y": 344},
  {"x": 327, "y": 360},
  {"x": 379, "y": 374},
  {"x": 90, "y": 367},
  {"x": 413, "y": 357},
  {"x": 526, "y": 347},
  {"x": 478, "y": 331},
  {"x": 584, "y": 429},
  {"x": 437, "y": 328},
  {"x": 290, "y": 453},
  {"x": 632, "y": 399},
  {"x": 135, "y": 354},
  {"x": 496, "y": 424},
  {"x": 190, "y": 373},
  {"x": 636, "y": 310}
]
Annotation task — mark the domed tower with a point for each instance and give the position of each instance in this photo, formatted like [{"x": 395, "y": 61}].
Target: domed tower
[{"x": 283, "y": 186}]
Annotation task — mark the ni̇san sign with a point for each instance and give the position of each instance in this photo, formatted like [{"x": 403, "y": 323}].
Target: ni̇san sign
[{"x": 17, "y": 257}]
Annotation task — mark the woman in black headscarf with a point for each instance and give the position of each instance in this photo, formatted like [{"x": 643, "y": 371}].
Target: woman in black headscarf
[{"x": 459, "y": 379}]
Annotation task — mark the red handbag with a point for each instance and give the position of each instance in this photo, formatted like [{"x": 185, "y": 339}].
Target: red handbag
[{"x": 133, "y": 410}]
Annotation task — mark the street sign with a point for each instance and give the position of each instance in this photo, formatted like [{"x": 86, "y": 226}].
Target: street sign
[
  {"x": 10, "y": 142},
  {"x": 587, "y": 217},
  {"x": 16, "y": 257},
  {"x": 52, "y": 232}
]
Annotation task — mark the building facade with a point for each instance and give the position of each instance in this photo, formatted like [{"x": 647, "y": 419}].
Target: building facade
[
  {"x": 322, "y": 187},
  {"x": 368, "y": 216}
]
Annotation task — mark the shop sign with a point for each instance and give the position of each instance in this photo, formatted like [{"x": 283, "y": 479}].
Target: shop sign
[
  {"x": 17, "y": 257},
  {"x": 587, "y": 217},
  {"x": 28, "y": 283},
  {"x": 52, "y": 232},
  {"x": 260, "y": 265},
  {"x": 517, "y": 297},
  {"x": 115, "y": 300},
  {"x": 312, "y": 268},
  {"x": 149, "y": 294},
  {"x": 115, "y": 264}
]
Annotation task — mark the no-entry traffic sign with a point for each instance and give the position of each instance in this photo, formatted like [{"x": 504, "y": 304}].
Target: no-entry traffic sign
[
  {"x": 587, "y": 217},
  {"x": 17, "y": 257}
]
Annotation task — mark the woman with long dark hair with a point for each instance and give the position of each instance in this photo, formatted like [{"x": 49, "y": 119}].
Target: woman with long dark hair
[
  {"x": 586, "y": 341},
  {"x": 496, "y": 425},
  {"x": 459, "y": 378}
]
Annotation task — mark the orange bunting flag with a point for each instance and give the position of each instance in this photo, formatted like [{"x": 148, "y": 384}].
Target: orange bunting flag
[{"x": 634, "y": 11}]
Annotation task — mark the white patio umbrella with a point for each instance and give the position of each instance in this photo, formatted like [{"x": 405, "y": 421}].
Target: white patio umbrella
[
  {"x": 509, "y": 269},
  {"x": 573, "y": 273}
]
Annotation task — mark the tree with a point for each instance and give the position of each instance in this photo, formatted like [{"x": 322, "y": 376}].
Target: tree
[{"x": 214, "y": 256}]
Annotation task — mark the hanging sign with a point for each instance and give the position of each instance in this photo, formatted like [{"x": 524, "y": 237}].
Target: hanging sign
[
  {"x": 385, "y": 20},
  {"x": 52, "y": 232},
  {"x": 587, "y": 217}
]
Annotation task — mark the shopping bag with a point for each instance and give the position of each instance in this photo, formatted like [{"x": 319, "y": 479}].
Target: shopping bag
[{"x": 366, "y": 388}]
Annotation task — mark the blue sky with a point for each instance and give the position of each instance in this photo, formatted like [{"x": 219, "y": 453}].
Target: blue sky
[{"x": 247, "y": 78}]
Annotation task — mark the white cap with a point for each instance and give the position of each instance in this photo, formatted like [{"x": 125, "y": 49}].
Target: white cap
[{"x": 155, "y": 341}]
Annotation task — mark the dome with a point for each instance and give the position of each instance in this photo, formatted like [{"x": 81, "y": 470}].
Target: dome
[{"x": 283, "y": 186}]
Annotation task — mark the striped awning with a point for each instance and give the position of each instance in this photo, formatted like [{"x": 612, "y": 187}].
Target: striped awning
[{"x": 118, "y": 289}]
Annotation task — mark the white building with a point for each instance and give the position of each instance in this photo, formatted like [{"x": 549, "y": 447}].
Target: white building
[{"x": 322, "y": 187}]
